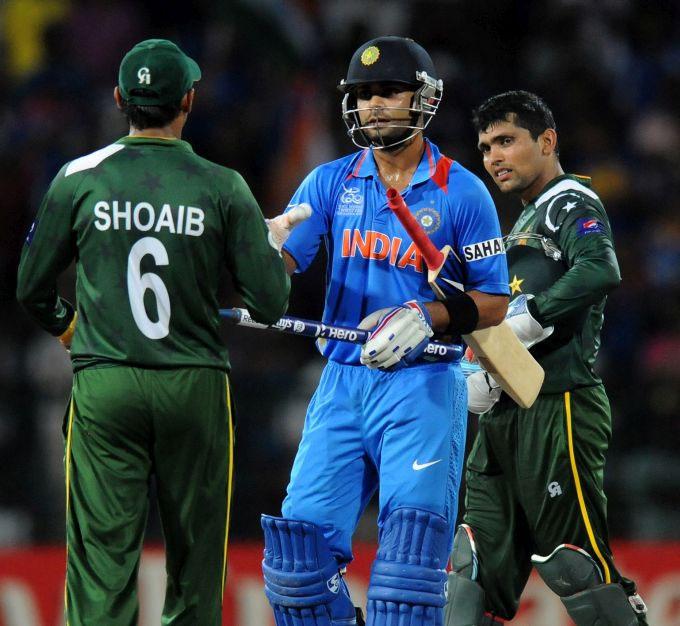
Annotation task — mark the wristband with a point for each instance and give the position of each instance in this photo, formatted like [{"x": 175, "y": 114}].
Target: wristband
[{"x": 463, "y": 313}]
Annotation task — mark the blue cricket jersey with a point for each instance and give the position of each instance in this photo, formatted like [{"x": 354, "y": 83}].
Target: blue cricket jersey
[{"x": 372, "y": 261}]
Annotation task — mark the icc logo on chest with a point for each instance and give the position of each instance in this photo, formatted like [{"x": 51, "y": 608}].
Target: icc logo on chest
[
  {"x": 351, "y": 201},
  {"x": 144, "y": 76}
]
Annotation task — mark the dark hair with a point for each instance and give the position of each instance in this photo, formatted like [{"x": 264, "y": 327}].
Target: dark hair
[
  {"x": 150, "y": 116},
  {"x": 522, "y": 108}
]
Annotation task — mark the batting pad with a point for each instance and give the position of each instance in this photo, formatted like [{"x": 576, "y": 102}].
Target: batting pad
[
  {"x": 408, "y": 577},
  {"x": 302, "y": 579}
]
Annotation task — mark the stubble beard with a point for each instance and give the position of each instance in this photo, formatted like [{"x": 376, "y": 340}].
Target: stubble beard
[
  {"x": 390, "y": 136},
  {"x": 514, "y": 186}
]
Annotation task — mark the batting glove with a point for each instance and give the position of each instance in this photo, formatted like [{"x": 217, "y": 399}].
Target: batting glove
[
  {"x": 483, "y": 392},
  {"x": 399, "y": 336},
  {"x": 281, "y": 226},
  {"x": 528, "y": 330}
]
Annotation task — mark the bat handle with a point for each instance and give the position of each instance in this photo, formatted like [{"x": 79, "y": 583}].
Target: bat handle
[
  {"x": 434, "y": 351},
  {"x": 434, "y": 259}
]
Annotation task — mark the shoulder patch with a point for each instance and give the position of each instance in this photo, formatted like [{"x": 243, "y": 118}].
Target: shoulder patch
[
  {"x": 90, "y": 161},
  {"x": 588, "y": 225},
  {"x": 483, "y": 249}
]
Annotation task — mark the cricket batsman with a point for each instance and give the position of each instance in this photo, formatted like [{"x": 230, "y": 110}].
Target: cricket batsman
[
  {"x": 381, "y": 419},
  {"x": 535, "y": 476},
  {"x": 149, "y": 224}
]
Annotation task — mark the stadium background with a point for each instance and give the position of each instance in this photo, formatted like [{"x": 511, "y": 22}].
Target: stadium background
[{"x": 267, "y": 106}]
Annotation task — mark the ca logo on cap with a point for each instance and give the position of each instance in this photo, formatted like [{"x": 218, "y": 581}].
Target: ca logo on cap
[{"x": 144, "y": 76}]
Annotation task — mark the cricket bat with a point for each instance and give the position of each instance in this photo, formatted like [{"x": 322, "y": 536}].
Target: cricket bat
[{"x": 497, "y": 348}]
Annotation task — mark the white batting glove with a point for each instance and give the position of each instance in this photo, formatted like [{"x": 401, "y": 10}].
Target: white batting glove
[
  {"x": 483, "y": 392},
  {"x": 282, "y": 225},
  {"x": 399, "y": 336},
  {"x": 528, "y": 330}
]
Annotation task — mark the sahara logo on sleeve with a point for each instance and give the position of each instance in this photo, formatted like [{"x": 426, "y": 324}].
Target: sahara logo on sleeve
[
  {"x": 588, "y": 225},
  {"x": 483, "y": 249}
]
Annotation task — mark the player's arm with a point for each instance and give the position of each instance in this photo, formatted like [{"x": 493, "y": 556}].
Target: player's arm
[
  {"x": 586, "y": 242},
  {"x": 400, "y": 334},
  {"x": 484, "y": 301},
  {"x": 281, "y": 228},
  {"x": 490, "y": 307},
  {"x": 302, "y": 242},
  {"x": 48, "y": 250},
  {"x": 289, "y": 262},
  {"x": 256, "y": 267}
]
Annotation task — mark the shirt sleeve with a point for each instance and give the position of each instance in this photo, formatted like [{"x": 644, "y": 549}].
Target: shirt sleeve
[
  {"x": 478, "y": 242},
  {"x": 48, "y": 250},
  {"x": 303, "y": 243},
  {"x": 257, "y": 269},
  {"x": 584, "y": 236}
]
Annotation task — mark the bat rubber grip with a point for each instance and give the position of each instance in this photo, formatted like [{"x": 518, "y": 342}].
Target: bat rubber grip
[{"x": 434, "y": 259}]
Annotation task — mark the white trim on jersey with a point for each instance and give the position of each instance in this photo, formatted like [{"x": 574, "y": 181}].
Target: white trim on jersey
[
  {"x": 561, "y": 187},
  {"x": 93, "y": 159}
]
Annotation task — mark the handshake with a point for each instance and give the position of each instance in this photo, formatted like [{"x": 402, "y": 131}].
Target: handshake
[{"x": 282, "y": 225}]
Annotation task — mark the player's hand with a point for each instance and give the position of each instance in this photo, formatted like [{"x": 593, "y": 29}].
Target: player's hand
[
  {"x": 528, "y": 330},
  {"x": 282, "y": 225},
  {"x": 399, "y": 336},
  {"x": 483, "y": 392},
  {"x": 67, "y": 336}
]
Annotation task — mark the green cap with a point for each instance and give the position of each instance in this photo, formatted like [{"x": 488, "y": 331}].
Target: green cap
[{"x": 156, "y": 72}]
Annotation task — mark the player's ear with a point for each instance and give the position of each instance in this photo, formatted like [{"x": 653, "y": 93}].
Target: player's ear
[
  {"x": 188, "y": 101},
  {"x": 548, "y": 139},
  {"x": 117, "y": 97}
]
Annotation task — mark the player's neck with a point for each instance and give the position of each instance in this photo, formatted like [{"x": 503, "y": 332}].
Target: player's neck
[
  {"x": 397, "y": 168},
  {"x": 550, "y": 173},
  {"x": 172, "y": 131}
]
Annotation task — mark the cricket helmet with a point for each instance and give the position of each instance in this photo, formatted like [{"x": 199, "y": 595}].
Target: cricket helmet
[{"x": 396, "y": 60}]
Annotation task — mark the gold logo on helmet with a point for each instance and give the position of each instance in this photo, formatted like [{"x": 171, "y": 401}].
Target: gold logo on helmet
[{"x": 370, "y": 55}]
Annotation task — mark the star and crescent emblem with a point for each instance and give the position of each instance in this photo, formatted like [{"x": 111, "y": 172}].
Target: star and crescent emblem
[{"x": 516, "y": 285}]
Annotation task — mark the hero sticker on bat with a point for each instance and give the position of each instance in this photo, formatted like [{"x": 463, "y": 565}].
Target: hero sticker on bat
[{"x": 483, "y": 249}]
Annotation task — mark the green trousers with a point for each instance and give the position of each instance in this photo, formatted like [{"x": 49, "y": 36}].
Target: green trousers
[
  {"x": 534, "y": 481},
  {"x": 124, "y": 425}
]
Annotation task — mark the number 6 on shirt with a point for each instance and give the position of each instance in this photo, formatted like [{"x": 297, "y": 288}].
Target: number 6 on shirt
[{"x": 497, "y": 348}]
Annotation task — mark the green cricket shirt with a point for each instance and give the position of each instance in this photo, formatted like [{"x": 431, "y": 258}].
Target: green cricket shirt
[
  {"x": 150, "y": 224},
  {"x": 561, "y": 251}
]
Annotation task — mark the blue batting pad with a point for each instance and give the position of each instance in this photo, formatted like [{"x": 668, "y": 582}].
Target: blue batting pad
[
  {"x": 408, "y": 577},
  {"x": 302, "y": 579}
]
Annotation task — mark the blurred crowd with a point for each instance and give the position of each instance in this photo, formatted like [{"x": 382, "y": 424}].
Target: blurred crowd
[{"x": 268, "y": 107}]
